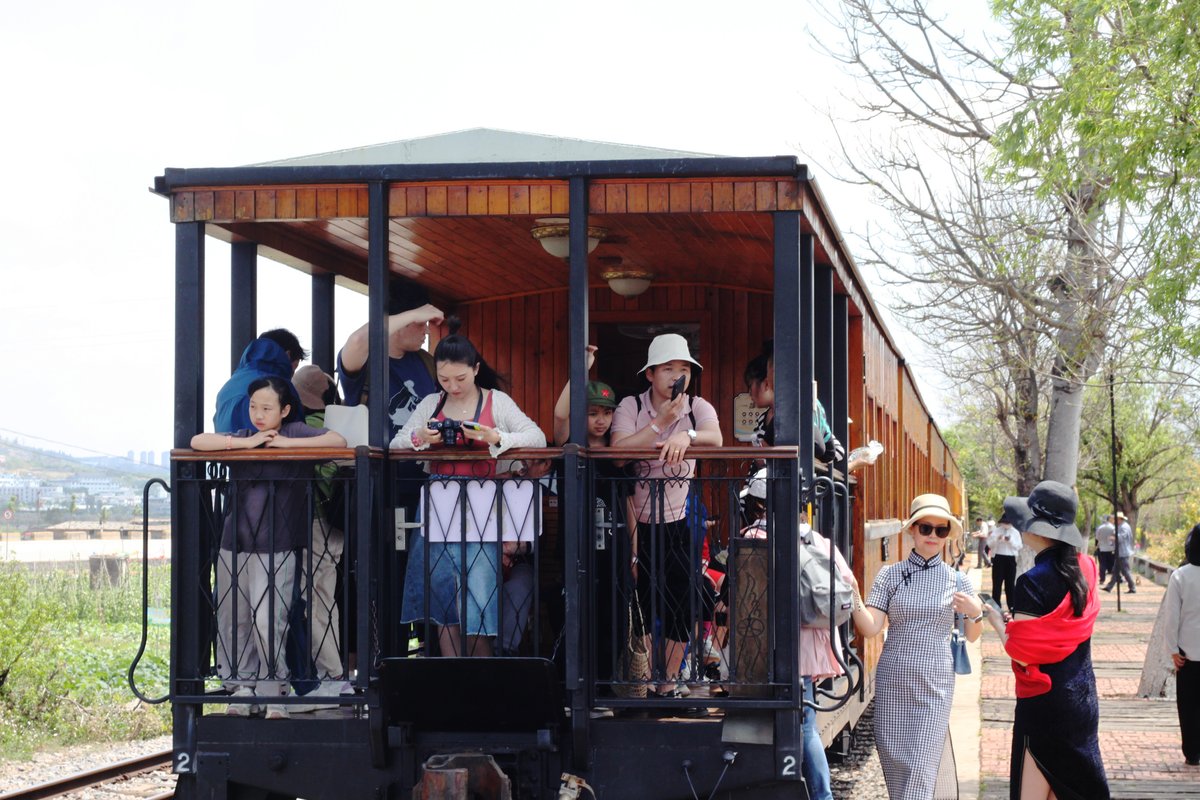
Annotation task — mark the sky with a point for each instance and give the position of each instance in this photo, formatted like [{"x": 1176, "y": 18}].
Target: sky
[{"x": 100, "y": 98}]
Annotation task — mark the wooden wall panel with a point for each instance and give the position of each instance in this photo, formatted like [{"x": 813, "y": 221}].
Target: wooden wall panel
[
  {"x": 916, "y": 418},
  {"x": 526, "y": 339}
]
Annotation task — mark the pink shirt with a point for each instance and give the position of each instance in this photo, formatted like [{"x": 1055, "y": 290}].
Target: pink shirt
[
  {"x": 627, "y": 420},
  {"x": 816, "y": 654}
]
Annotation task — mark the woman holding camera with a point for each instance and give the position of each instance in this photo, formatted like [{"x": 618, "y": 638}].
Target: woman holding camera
[
  {"x": 917, "y": 599},
  {"x": 469, "y": 413}
]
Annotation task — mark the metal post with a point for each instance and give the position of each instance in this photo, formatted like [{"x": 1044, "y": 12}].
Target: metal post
[
  {"x": 793, "y": 426},
  {"x": 577, "y": 515},
  {"x": 1112, "y": 444},
  {"x": 243, "y": 298},
  {"x": 377, "y": 293},
  {"x": 839, "y": 411},
  {"x": 189, "y": 332},
  {"x": 189, "y": 626},
  {"x": 323, "y": 346}
]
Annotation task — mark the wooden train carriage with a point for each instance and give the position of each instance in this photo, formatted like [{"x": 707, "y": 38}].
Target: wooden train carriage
[{"x": 736, "y": 250}]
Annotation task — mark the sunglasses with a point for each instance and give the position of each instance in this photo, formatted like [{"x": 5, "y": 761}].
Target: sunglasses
[{"x": 925, "y": 529}]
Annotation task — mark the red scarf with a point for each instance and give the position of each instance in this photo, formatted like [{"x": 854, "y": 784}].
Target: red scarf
[{"x": 1050, "y": 639}]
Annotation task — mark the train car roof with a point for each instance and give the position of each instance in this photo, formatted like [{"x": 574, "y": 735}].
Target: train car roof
[
  {"x": 484, "y": 146},
  {"x": 461, "y": 206}
]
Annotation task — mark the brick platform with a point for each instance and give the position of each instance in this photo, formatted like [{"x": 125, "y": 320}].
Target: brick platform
[{"x": 1139, "y": 738}]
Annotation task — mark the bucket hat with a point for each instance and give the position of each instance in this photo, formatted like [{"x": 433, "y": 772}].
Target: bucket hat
[
  {"x": 311, "y": 384},
  {"x": 601, "y": 394},
  {"x": 1049, "y": 511},
  {"x": 925, "y": 506},
  {"x": 668, "y": 347},
  {"x": 756, "y": 486}
]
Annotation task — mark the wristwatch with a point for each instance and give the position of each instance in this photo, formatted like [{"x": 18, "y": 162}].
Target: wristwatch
[
  {"x": 692, "y": 435},
  {"x": 977, "y": 619}
]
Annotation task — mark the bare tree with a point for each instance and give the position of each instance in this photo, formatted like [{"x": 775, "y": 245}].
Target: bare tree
[{"x": 1015, "y": 272}]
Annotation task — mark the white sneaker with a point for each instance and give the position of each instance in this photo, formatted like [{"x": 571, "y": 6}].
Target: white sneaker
[
  {"x": 275, "y": 711},
  {"x": 331, "y": 688},
  {"x": 241, "y": 709}
]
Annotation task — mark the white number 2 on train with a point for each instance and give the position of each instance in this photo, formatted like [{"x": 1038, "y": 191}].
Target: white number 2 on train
[
  {"x": 183, "y": 763},
  {"x": 789, "y": 767}
]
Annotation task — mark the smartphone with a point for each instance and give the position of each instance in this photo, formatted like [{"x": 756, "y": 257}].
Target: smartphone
[
  {"x": 677, "y": 386},
  {"x": 472, "y": 425}
]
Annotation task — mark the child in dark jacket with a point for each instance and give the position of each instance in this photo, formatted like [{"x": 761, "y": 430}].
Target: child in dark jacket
[{"x": 264, "y": 528}]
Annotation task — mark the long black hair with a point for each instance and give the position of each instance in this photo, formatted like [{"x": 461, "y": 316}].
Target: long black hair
[
  {"x": 1191, "y": 547},
  {"x": 458, "y": 349},
  {"x": 1065, "y": 560}
]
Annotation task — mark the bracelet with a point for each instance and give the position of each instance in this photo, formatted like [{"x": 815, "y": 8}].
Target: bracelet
[
  {"x": 859, "y": 605},
  {"x": 656, "y": 429},
  {"x": 416, "y": 440},
  {"x": 229, "y": 441},
  {"x": 978, "y": 619}
]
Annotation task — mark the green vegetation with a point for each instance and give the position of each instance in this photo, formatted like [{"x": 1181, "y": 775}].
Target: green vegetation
[{"x": 65, "y": 649}]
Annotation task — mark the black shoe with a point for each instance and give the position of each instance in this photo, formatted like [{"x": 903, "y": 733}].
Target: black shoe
[
  {"x": 1132, "y": 591},
  {"x": 1108, "y": 588},
  {"x": 1192, "y": 762}
]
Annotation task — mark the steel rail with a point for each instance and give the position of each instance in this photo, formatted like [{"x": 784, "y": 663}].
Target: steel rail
[{"x": 83, "y": 780}]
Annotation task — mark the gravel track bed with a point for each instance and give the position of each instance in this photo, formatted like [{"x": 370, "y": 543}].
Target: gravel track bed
[
  {"x": 50, "y": 765},
  {"x": 859, "y": 776}
]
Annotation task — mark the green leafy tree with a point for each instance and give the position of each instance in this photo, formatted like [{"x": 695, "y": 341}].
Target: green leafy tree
[
  {"x": 1113, "y": 98},
  {"x": 1154, "y": 446},
  {"x": 1031, "y": 253}
]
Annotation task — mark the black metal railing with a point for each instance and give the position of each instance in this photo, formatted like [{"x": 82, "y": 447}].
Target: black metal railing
[
  {"x": 310, "y": 569},
  {"x": 269, "y": 557}
]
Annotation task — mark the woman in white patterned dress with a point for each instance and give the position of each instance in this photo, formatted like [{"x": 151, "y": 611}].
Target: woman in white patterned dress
[{"x": 916, "y": 599}]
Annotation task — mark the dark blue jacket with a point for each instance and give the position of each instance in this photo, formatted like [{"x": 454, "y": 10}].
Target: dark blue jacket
[{"x": 261, "y": 357}]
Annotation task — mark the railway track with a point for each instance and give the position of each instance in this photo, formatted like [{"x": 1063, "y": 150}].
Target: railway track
[{"x": 97, "y": 777}]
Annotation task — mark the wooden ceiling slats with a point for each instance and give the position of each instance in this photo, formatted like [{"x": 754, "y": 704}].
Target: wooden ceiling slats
[{"x": 470, "y": 240}]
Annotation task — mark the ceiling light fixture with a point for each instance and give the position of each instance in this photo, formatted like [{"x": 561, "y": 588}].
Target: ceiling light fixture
[
  {"x": 553, "y": 233},
  {"x": 628, "y": 282}
]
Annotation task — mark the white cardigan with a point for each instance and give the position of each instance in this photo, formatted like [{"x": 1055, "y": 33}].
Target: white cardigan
[{"x": 516, "y": 429}]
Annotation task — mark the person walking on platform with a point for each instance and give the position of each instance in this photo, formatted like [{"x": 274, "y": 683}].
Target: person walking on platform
[
  {"x": 1182, "y": 622},
  {"x": 1056, "y": 742},
  {"x": 1106, "y": 540},
  {"x": 1004, "y": 542},
  {"x": 917, "y": 600},
  {"x": 980, "y": 535},
  {"x": 1123, "y": 552}
]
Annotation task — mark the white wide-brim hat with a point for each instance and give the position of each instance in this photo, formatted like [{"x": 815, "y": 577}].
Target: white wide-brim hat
[
  {"x": 668, "y": 347},
  {"x": 925, "y": 506},
  {"x": 756, "y": 486}
]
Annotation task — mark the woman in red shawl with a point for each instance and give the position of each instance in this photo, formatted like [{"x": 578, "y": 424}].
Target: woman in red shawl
[{"x": 1056, "y": 747}]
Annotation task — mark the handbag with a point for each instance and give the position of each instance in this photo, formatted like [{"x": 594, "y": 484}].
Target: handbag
[
  {"x": 634, "y": 664},
  {"x": 958, "y": 647}
]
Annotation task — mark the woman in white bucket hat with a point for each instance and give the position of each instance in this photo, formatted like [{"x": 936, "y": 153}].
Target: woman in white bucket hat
[{"x": 671, "y": 421}]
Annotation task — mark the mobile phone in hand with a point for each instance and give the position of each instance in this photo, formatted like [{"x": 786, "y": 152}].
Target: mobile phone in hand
[
  {"x": 472, "y": 425},
  {"x": 677, "y": 386}
]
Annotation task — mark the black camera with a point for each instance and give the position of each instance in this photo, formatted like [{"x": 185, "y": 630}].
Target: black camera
[{"x": 450, "y": 429}]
